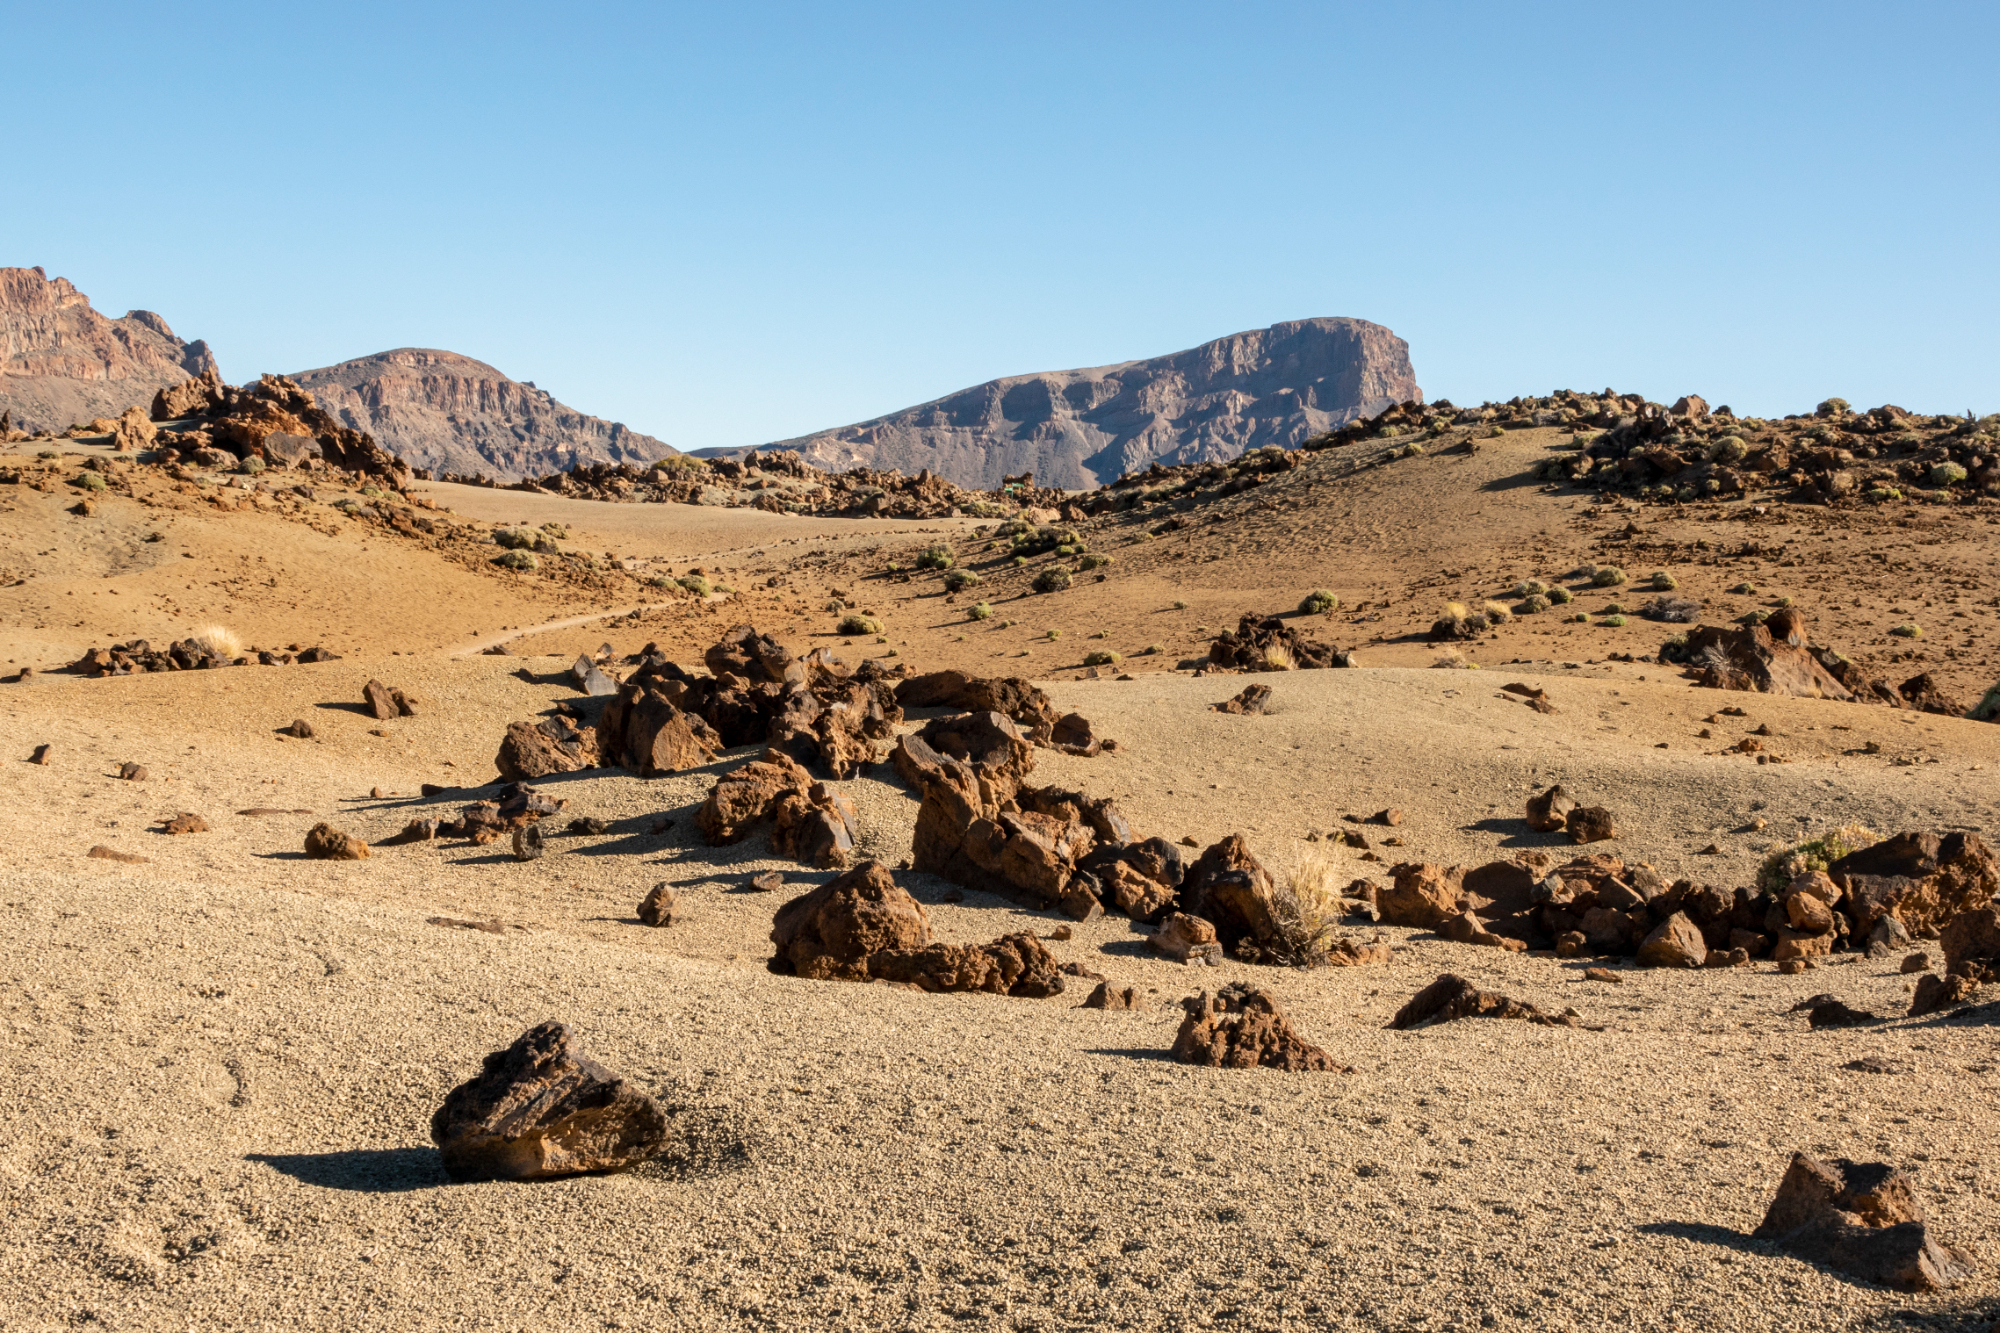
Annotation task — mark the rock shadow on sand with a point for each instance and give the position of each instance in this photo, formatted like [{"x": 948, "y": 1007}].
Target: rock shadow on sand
[{"x": 367, "y": 1170}]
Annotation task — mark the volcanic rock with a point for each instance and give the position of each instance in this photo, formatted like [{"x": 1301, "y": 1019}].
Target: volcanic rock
[
  {"x": 828, "y": 934},
  {"x": 186, "y": 822},
  {"x": 326, "y": 843},
  {"x": 1266, "y": 643},
  {"x": 1925, "y": 879},
  {"x": 1421, "y": 895},
  {"x": 528, "y": 844},
  {"x": 1758, "y": 658},
  {"x": 813, "y": 823},
  {"x": 657, "y": 907},
  {"x": 1250, "y": 703},
  {"x": 1453, "y": 997},
  {"x": 1187, "y": 939},
  {"x": 299, "y": 730},
  {"x": 1860, "y": 1219},
  {"x": 1548, "y": 812},
  {"x": 541, "y": 1108},
  {"x": 1589, "y": 823},
  {"x": 1017, "y": 965},
  {"x": 65, "y": 362},
  {"x": 385, "y": 703},
  {"x": 989, "y": 742},
  {"x": 1675, "y": 942},
  {"x": 1243, "y": 1027},
  {"x": 1013, "y": 697},
  {"x": 537, "y": 749},
  {"x": 1231, "y": 889},
  {"x": 1108, "y": 996}
]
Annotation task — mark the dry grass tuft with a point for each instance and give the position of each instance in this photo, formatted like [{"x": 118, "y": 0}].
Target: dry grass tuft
[{"x": 219, "y": 641}]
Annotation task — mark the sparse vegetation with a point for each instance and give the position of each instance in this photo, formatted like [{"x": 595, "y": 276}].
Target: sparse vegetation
[
  {"x": 1946, "y": 474},
  {"x": 1664, "y": 582},
  {"x": 1306, "y": 915},
  {"x": 1883, "y": 494},
  {"x": 697, "y": 584},
  {"x": 521, "y": 562},
  {"x": 1318, "y": 602},
  {"x": 1496, "y": 613},
  {"x": 1781, "y": 868},
  {"x": 1908, "y": 631},
  {"x": 1530, "y": 588},
  {"x": 981, "y": 611},
  {"x": 1180, "y": 606},
  {"x": 1728, "y": 449},
  {"x": 1613, "y": 622},
  {"x": 90, "y": 481},
  {"x": 958, "y": 580},
  {"x": 1561, "y": 596},
  {"x": 1053, "y": 579},
  {"x": 1053, "y": 635},
  {"x": 1093, "y": 562},
  {"x": 1279, "y": 658},
  {"x": 1756, "y": 617},
  {"x": 1100, "y": 658},
  {"x": 1607, "y": 576},
  {"x": 1988, "y": 708},
  {"x": 1745, "y": 590},
  {"x": 219, "y": 641},
  {"x": 857, "y": 623},
  {"x": 936, "y": 557},
  {"x": 515, "y": 539},
  {"x": 1154, "y": 650},
  {"x": 1533, "y": 603},
  {"x": 1671, "y": 610}
]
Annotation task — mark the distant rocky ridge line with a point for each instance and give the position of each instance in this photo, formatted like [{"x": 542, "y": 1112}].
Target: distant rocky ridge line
[
  {"x": 65, "y": 363},
  {"x": 1079, "y": 429},
  {"x": 449, "y": 414}
]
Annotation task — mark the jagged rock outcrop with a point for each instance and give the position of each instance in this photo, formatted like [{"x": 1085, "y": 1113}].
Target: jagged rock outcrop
[
  {"x": 63, "y": 363},
  {"x": 1082, "y": 428},
  {"x": 1862, "y": 1219},
  {"x": 811, "y": 822},
  {"x": 449, "y": 413},
  {"x": 1244, "y": 1027},
  {"x": 273, "y": 421}
]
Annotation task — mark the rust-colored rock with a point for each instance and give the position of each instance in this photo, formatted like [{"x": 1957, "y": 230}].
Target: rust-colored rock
[
  {"x": 1252, "y": 702},
  {"x": 1860, "y": 1219},
  {"x": 537, "y": 749},
  {"x": 828, "y": 934},
  {"x": 299, "y": 730},
  {"x": 103, "y": 853},
  {"x": 988, "y": 742},
  {"x": 1074, "y": 735},
  {"x": 1187, "y": 939},
  {"x": 1589, "y": 823},
  {"x": 1453, "y": 997},
  {"x": 385, "y": 702},
  {"x": 1267, "y": 643},
  {"x": 1230, "y": 888},
  {"x": 657, "y": 907},
  {"x": 813, "y": 823},
  {"x": 1012, "y": 697},
  {"x": 540, "y": 1109},
  {"x": 1549, "y": 810},
  {"x": 1108, "y": 996},
  {"x": 1675, "y": 942},
  {"x": 324, "y": 842},
  {"x": 1243, "y": 1027},
  {"x": 187, "y": 822},
  {"x": 1017, "y": 965},
  {"x": 1925, "y": 879},
  {"x": 1421, "y": 895},
  {"x": 1350, "y": 952},
  {"x": 1757, "y": 658}
]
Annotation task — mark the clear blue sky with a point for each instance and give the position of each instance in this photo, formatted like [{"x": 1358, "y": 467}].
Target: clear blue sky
[{"x": 728, "y": 224}]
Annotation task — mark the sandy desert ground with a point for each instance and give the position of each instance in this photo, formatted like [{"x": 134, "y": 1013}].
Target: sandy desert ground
[{"x": 221, "y": 1061}]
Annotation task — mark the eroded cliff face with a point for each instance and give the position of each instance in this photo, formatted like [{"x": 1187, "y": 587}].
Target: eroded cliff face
[
  {"x": 449, "y": 413},
  {"x": 1083, "y": 428},
  {"x": 62, "y": 362}
]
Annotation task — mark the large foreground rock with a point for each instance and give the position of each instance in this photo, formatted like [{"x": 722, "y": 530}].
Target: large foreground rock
[
  {"x": 1243, "y": 1027},
  {"x": 1860, "y": 1219},
  {"x": 540, "y": 1108},
  {"x": 538, "y": 749}
]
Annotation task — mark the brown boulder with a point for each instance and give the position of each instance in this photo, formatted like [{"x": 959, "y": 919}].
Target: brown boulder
[
  {"x": 1675, "y": 942},
  {"x": 537, "y": 749},
  {"x": 755, "y": 657},
  {"x": 989, "y": 742},
  {"x": 1229, "y": 887},
  {"x": 1016, "y": 965},
  {"x": 1924, "y": 879},
  {"x": 1135, "y": 893},
  {"x": 1421, "y": 895},
  {"x": 747, "y": 794},
  {"x": 186, "y": 822},
  {"x": 1808, "y": 913},
  {"x": 828, "y": 934},
  {"x": 1108, "y": 996},
  {"x": 1453, "y": 997},
  {"x": 385, "y": 702},
  {"x": 1750, "y": 658},
  {"x": 1860, "y": 1219},
  {"x": 1925, "y": 695},
  {"x": 1243, "y": 1027},
  {"x": 539, "y": 1109},
  {"x": 657, "y": 907},
  {"x": 1073, "y": 735},
  {"x": 324, "y": 842},
  {"x": 1186, "y": 939},
  {"x": 134, "y": 431},
  {"x": 1548, "y": 811},
  {"x": 299, "y": 730},
  {"x": 1589, "y": 823},
  {"x": 1250, "y": 703},
  {"x": 1029, "y": 708}
]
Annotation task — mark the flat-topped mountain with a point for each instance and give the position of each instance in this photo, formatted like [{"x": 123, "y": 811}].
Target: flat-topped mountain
[
  {"x": 62, "y": 362},
  {"x": 1082, "y": 428},
  {"x": 449, "y": 413}
]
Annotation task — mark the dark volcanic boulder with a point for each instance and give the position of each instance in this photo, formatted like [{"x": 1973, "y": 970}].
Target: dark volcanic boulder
[
  {"x": 1243, "y": 1027},
  {"x": 541, "y": 1108},
  {"x": 829, "y": 933},
  {"x": 1229, "y": 887},
  {"x": 1266, "y": 643},
  {"x": 1017, "y": 965},
  {"x": 1861, "y": 1219},
  {"x": 537, "y": 749},
  {"x": 1015, "y": 698},
  {"x": 1453, "y": 997},
  {"x": 989, "y": 742},
  {"x": 1750, "y": 658},
  {"x": 813, "y": 823},
  {"x": 1924, "y": 879}
]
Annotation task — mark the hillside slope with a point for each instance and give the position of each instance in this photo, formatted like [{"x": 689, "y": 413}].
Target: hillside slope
[
  {"x": 452, "y": 414},
  {"x": 1082, "y": 428},
  {"x": 63, "y": 362}
]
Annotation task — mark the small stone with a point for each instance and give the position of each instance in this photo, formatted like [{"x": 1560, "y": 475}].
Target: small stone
[
  {"x": 660, "y": 826},
  {"x": 1711, "y": 850},
  {"x": 103, "y": 853},
  {"x": 1548, "y": 812},
  {"x": 1061, "y": 933},
  {"x": 1917, "y": 962},
  {"x": 376, "y": 793},
  {"x": 300, "y": 729},
  {"x": 186, "y": 822},
  {"x": 1791, "y": 967},
  {"x": 768, "y": 882},
  {"x": 133, "y": 772},
  {"x": 1107, "y": 996},
  {"x": 586, "y": 826},
  {"x": 1390, "y": 817},
  {"x": 383, "y": 732},
  {"x": 657, "y": 908},
  {"x": 1602, "y": 974},
  {"x": 41, "y": 755},
  {"x": 1589, "y": 823},
  {"x": 1824, "y": 1011},
  {"x": 324, "y": 842},
  {"x": 528, "y": 842}
]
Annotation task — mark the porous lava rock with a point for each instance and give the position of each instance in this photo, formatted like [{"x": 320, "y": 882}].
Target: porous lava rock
[
  {"x": 829, "y": 933},
  {"x": 657, "y": 907},
  {"x": 324, "y": 842},
  {"x": 1675, "y": 942},
  {"x": 1244, "y": 1027},
  {"x": 1971, "y": 943},
  {"x": 1548, "y": 811},
  {"x": 186, "y": 822},
  {"x": 1186, "y": 939},
  {"x": 1862, "y": 1220},
  {"x": 811, "y": 822},
  {"x": 1011, "y": 696},
  {"x": 538, "y": 749},
  {"x": 541, "y": 1108},
  {"x": 1421, "y": 894},
  {"x": 1924, "y": 879},
  {"x": 1452, "y": 997},
  {"x": 1019, "y": 965},
  {"x": 1266, "y": 643},
  {"x": 990, "y": 743},
  {"x": 1589, "y": 823},
  {"x": 1252, "y": 702},
  {"x": 1229, "y": 887},
  {"x": 1769, "y": 659}
]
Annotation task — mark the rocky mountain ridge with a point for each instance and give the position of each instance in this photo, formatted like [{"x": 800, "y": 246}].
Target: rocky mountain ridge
[
  {"x": 62, "y": 362},
  {"x": 452, "y": 415},
  {"x": 1078, "y": 429}
]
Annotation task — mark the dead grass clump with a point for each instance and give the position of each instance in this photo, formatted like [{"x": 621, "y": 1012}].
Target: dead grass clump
[
  {"x": 1306, "y": 914},
  {"x": 1458, "y": 622},
  {"x": 1532, "y": 603},
  {"x": 1496, "y": 613},
  {"x": 219, "y": 642},
  {"x": 1279, "y": 658}
]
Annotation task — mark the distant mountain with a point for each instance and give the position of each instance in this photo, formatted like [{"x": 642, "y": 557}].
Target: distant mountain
[
  {"x": 449, "y": 413},
  {"x": 1082, "y": 428},
  {"x": 61, "y": 362}
]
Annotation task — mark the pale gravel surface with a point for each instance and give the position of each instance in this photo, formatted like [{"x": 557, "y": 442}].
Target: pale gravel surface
[{"x": 220, "y": 1066}]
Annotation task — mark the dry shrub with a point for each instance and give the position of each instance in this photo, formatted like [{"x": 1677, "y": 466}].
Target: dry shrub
[
  {"x": 1781, "y": 868},
  {"x": 219, "y": 642}
]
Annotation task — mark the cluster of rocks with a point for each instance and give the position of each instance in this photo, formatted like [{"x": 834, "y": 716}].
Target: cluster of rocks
[
  {"x": 863, "y": 926},
  {"x": 1777, "y": 657},
  {"x": 665, "y": 719},
  {"x": 274, "y": 420},
  {"x": 1266, "y": 643},
  {"x": 1244, "y": 1027},
  {"x": 1834, "y": 456},
  {"x": 809, "y": 821},
  {"x": 139, "y": 657},
  {"x": 1971, "y": 944},
  {"x": 780, "y": 482},
  {"x": 1877, "y": 898}
]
